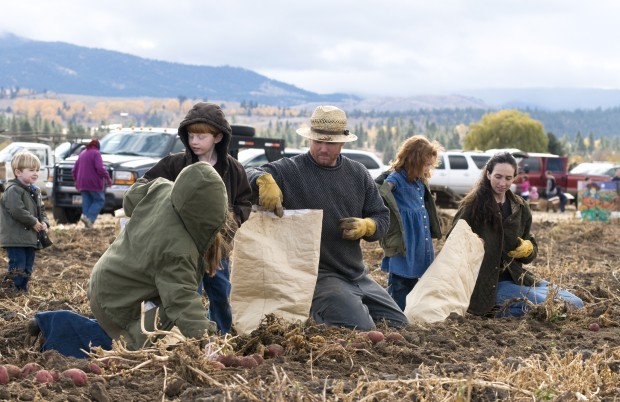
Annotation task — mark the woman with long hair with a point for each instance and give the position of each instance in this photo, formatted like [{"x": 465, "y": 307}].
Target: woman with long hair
[{"x": 503, "y": 221}]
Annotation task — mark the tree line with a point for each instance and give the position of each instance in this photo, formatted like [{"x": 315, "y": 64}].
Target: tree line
[{"x": 382, "y": 132}]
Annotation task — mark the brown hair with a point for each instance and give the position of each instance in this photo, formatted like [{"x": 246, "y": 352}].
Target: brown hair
[
  {"x": 202, "y": 128},
  {"x": 413, "y": 154},
  {"x": 220, "y": 247}
]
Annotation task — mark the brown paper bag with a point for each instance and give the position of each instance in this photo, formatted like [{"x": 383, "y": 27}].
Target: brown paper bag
[
  {"x": 448, "y": 283},
  {"x": 274, "y": 267}
]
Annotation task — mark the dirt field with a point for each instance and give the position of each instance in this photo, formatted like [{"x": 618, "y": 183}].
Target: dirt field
[{"x": 551, "y": 354}]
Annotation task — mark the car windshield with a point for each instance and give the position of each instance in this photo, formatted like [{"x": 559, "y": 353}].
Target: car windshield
[
  {"x": 7, "y": 153},
  {"x": 135, "y": 143}
]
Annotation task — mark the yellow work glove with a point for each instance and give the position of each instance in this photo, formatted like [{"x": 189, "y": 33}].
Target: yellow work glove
[
  {"x": 524, "y": 250},
  {"x": 356, "y": 228},
  {"x": 269, "y": 194}
]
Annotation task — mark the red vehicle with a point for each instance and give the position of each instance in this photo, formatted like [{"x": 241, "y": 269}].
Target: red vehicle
[{"x": 535, "y": 165}]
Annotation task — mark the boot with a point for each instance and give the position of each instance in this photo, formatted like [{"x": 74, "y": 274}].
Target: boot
[{"x": 87, "y": 222}]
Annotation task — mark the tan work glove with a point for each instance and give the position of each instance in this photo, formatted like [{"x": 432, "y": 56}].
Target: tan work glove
[
  {"x": 269, "y": 194},
  {"x": 524, "y": 250},
  {"x": 356, "y": 228}
]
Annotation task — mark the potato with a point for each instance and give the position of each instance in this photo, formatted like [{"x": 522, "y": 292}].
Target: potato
[
  {"x": 229, "y": 360},
  {"x": 217, "y": 365},
  {"x": 13, "y": 370},
  {"x": 248, "y": 362},
  {"x": 259, "y": 359},
  {"x": 394, "y": 337},
  {"x": 78, "y": 377},
  {"x": 43, "y": 377},
  {"x": 375, "y": 336},
  {"x": 4, "y": 375},
  {"x": 274, "y": 350},
  {"x": 29, "y": 368},
  {"x": 94, "y": 368}
]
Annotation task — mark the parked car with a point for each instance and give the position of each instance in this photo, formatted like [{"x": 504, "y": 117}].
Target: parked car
[
  {"x": 459, "y": 170},
  {"x": 257, "y": 157},
  {"x": 42, "y": 151},
  {"x": 128, "y": 154},
  {"x": 536, "y": 164},
  {"x": 596, "y": 168},
  {"x": 70, "y": 148}
]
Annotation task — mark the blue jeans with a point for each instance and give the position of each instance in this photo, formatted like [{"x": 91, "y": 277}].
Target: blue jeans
[
  {"x": 508, "y": 290},
  {"x": 21, "y": 264},
  {"x": 217, "y": 288},
  {"x": 92, "y": 204},
  {"x": 399, "y": 287}
]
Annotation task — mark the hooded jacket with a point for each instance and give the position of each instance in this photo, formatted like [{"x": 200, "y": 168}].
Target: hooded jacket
[
  {"x": 158, "y": 256},
  {"x": 19, "y": 213},
  {"x": 496, "y": 247},
  {"x": 232, "y": 172}
]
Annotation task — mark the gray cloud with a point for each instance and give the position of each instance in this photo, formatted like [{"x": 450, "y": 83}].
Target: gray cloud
[{"x": 391, "y": 47}]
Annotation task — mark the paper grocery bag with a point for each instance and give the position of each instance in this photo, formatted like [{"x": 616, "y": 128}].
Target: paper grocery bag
[
  {"x": 447, "y": 285},
  {"x": 274, "y": 267}
]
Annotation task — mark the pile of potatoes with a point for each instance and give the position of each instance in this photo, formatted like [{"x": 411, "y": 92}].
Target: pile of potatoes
[{"x": 38, "y": 374}]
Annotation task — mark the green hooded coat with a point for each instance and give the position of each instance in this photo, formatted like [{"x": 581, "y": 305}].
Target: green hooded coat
[{"x": 158, "y": 255}]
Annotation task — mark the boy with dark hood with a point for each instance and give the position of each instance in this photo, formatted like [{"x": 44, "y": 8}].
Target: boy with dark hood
[{"x": 206, "y": 135}]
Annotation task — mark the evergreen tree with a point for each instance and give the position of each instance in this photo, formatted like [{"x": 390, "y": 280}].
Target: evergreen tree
[
  {"x": 555, "y": 146},
  {"x": 382, "y": 140},
  {"x": 580, "y": 146}
]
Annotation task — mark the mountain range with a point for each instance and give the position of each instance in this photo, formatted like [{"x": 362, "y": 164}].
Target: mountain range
[{"x": 70, "y": 69}]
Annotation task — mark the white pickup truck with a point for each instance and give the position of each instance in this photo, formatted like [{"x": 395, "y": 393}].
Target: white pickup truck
[
  {"x": 42, "y": 151},
  {"x": 457, "y": 173}
]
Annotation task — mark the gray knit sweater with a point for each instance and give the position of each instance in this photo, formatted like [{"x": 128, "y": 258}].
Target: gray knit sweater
[{"x": 345, "y": 190}]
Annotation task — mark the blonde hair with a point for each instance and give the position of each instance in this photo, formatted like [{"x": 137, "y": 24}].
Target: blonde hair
[
  {"x": 413, "y": 154},
  {"x": 25, "y": 160}
]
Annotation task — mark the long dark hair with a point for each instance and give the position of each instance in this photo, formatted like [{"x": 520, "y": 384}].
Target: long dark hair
[{"x": 483, "y": 206}]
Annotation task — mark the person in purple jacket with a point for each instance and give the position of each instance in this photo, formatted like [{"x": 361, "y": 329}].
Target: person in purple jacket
[{"x": 90, "y": 177}]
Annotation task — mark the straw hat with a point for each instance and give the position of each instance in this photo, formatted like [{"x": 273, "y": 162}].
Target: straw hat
[{"x": 328, "y": 124}]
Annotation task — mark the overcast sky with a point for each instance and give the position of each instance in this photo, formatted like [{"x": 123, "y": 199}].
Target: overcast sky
[{"x": 380, "y": 47}]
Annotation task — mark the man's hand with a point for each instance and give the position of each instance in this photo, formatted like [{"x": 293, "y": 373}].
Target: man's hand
[
  {"x": 269, "y": 194},
  {"x": 356, "y": 228},
  {"x": 524, "y": 249}
]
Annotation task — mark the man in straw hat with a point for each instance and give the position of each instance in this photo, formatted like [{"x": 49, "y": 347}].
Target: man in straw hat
[{"x": 322, "y": 178}]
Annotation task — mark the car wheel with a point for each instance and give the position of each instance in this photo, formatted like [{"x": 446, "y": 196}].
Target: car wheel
[{"x": 66, "y": 215}]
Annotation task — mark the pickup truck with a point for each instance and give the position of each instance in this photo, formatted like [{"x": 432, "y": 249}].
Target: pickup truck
[
  {"x": 42, "y": 151},
  {"x": 457, "y": 172},
  {"x": 128, "y": 154},
  {"x": 535, "y": 165}
]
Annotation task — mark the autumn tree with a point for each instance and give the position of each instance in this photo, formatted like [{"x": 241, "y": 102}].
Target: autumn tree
[{"x": 507, "y": 129}]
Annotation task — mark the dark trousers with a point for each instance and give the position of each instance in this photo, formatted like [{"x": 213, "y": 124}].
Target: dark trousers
[
  {"x": 399, "y": 287},
  {"x": 354, "y": 304},
  {"x": 217, "y": 288}
]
